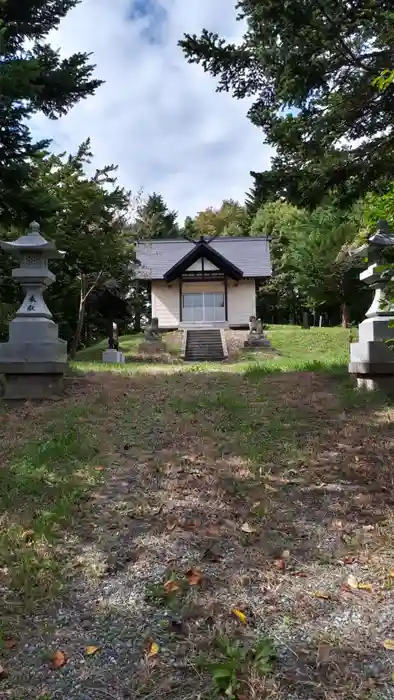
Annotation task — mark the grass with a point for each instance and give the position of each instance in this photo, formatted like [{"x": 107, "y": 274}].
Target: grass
[
  {"x": 129, "y": 346},
  {"x": 257, "y": 486},
  {"x": 324, "y": 349},
  {"x": 49, "y": 459}
]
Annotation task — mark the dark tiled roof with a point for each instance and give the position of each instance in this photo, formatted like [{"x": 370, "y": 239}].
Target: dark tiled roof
[{"x": 156, "y": 257}]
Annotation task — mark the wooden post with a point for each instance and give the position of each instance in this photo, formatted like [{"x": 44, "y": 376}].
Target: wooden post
[
  {"x": 180, "y": 300},
  {"x": 225, "y": 299}
]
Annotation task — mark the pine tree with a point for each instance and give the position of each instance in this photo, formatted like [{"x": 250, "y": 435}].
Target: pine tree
[
  {"x": 155, "y": 220},
  {"x": 33, "y": 78},
  {"x": 310, "y": 66}
]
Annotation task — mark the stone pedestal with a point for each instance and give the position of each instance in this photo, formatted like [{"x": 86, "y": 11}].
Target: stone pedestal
[
  {"x": 256, "y": 339},
  {"x": 34, "y": 359},
  {"x": 113, "y": 356},
  {"x": 257, "y": 342},
  {"x": 371, "y": 358},
  {"x": 152, "y": 347}
]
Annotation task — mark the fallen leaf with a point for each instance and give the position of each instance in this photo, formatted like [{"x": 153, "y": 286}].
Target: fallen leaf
[
  {"x": 247, "y": 528},
  {"x": 280, "y": 564},
  {"x": 240, "y": 615},
  {"x": 285, "y": 554},
  {"x": 389, "y": 644},
  {"x": 300, "y": 574},
  {"x": 352, "y": 582},
  {"x": 365, "y": 587},
  {"x": 98, "y": 469},
  {"x": 346, "y": 560},
  {"x": 194, "y": 577},
  {"x": 58, "y": 659},
  {"x": 171, "y": 586},
  {"x": 153, "y": 649},
  {"x": 391, "y": 573},
  {"x": 90, "y": 650},
  {"x": 368, "y": 528},
  {"x": 322, "y": 596}
]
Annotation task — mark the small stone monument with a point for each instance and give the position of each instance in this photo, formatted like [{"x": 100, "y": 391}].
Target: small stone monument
[
  {"x": 371, "y": 359},
  {"x": 152, "y": 339},
  {"x": 256, "y": 338},
  {"x": 112, "y": 354},
  {"x": 34, "y": 359}
]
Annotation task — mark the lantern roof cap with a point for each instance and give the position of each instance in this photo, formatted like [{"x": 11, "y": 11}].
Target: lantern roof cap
[{"x": 32, "y": 241}]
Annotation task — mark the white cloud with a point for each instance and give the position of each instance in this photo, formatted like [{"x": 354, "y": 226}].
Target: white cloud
[{"x": 158, "y": 117}]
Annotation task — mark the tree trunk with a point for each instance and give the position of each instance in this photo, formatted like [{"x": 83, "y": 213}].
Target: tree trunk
[
  {"x": 305, "y": 319},
  {"x": 83, "y": 297},
  {"x": 345, "y": 315},
  {"x": 81, "y": 317},
  {"x": 137, "y": 308}
]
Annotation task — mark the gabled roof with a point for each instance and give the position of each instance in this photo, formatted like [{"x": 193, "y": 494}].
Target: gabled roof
[
  {"x": 202, "y": 249},
  {"x": 250, "y": 256}
]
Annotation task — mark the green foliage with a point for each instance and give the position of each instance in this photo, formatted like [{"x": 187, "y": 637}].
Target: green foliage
[
  {"x": 235, "y": 661},
  {"x": 385, "y": 79},
  {"x": 310, "y": 261},
  {"x": 88, "y": 222},
  {"x": 231, "y": 219},
  {"x": 311, "y": 69},
  {"x": 155, "y": 220},
  {"x": 323, "y": 272},
  {"x": 33, "y": 78}
]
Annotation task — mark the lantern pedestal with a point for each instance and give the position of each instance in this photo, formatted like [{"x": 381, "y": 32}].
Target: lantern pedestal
[
  {"x": 34, "y": 359},
  {"x": 371, "y": 358}
]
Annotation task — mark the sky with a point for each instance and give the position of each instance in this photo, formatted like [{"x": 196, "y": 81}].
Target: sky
[{"x": 157, "y": 117}]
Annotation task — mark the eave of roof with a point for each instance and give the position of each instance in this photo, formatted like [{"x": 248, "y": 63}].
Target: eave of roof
[{"x": 203, "y": 250}]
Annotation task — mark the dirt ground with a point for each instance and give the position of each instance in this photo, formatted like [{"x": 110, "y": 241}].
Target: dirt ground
[{"x": 229, "y": 507}]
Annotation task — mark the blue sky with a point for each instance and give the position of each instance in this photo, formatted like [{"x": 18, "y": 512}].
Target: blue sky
[{"x": 158, "y": 117}]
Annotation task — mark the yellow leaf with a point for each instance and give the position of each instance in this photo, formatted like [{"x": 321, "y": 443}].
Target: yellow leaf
[
  {"x": 90, "y": 650},
  {"x": 247, "y": 528},
  {"x": 389, "y": 644},
  {"x": 240, "y": 615},
  {"x": 365, "y": 587},
  {"x": 321, "y": 595},
  {"x": 153, "y": 649},
  {"x": 352, "y": 582}
]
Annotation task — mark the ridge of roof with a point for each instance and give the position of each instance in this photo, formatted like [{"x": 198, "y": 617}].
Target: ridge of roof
[{"x": 212, "y": 240}]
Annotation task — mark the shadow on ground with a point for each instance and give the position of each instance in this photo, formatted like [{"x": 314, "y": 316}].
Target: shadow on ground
[{"x": 278, "y": 488}]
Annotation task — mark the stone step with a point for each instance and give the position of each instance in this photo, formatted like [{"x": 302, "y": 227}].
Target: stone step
[{"x": 204, "y": 345}]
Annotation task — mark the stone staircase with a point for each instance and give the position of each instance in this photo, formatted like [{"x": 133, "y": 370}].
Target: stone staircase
[{"x": 204, "y": 346}]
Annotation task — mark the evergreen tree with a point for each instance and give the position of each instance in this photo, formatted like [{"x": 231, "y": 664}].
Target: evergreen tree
[
  {"x": 33, "y": 78},
  {"x": 154, "y": 219},
  {"x": 311, "y": 66}
]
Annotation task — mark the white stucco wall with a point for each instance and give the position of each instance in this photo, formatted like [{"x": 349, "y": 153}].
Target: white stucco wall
[
  {"x": 165, "y": 303},
  {"x": 241, "y": 302}
]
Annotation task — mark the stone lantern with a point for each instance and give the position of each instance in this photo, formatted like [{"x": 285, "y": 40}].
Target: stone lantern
[
  {"x": 34, "y": 359},
  {"x": 371, "y": 358}
]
